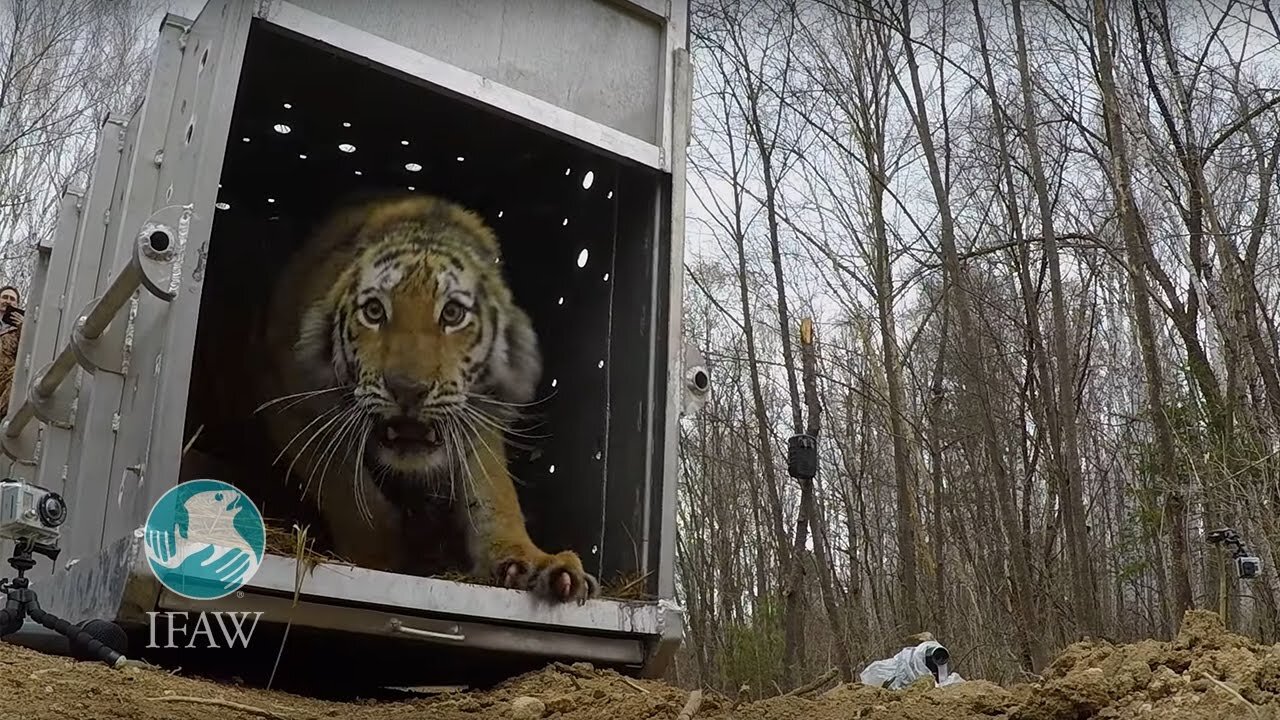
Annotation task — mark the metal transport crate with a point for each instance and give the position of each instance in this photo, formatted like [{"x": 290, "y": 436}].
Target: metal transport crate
[{"x": 562, "y": 122}]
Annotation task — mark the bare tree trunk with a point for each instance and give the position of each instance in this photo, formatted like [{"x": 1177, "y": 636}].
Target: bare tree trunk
[
  {"x": 1069, "y": 462},
  {"x": 809, "y": 372},
  {"x": 1137, "y": 259},
  {"x": 872, "y": 142},
  {"x": 977, "y": 376}
]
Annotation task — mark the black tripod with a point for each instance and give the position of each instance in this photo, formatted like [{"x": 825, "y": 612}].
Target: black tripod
[{"x": 22, "y": 603}]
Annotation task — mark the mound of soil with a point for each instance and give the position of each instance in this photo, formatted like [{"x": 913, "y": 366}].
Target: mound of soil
[{"x": 1206, "y": 673}]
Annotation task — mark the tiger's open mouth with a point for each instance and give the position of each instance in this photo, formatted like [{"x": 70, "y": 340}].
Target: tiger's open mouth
[{"x": 406, "y": 435}]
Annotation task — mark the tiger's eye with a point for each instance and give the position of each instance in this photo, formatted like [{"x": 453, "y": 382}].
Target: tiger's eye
[
  {"x": 453, "y": 313},
  {"x": 373, "y": 311}
]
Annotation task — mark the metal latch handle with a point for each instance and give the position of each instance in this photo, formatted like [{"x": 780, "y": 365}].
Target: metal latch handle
[{"x": 397, "y": 626}]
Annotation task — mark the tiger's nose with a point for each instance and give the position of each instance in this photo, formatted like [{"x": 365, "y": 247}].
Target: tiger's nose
[{"x": 406, "y": 391}]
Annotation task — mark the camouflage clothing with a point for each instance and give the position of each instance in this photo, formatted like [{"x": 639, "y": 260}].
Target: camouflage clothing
[{"x": 9, "y": 338}]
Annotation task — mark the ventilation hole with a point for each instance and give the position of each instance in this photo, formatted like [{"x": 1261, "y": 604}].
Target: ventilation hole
[
  {"x": 560, "y": 301},
  {"x": 700, "y": 380},
  {"x": 610, "y": 195},
  {"x": 302, "y": 156},
  {"x": 287, "y": 106},
  {"x": 271, "y": 200},
  {"x": 552, "y": 469},
  {"x": 404, "y": 142},
  {"x": 606, "y": 277},
  {"x": 554, "y": 382},
  {"x": 158, "y": 240},
  {"x": 582, "y": 258},
  {"x": 461, "y": 159},
  {"x": 282, "y": 128},
  {"x": 347, "y": 148},
  {"x": 600, "y": 364},
  {"x": 222, "y": 206},
  {"x": 204, "y": 58},
  {"x": 588, "y": 180},
  {"x": 190, "y": 130},
  {"x": 412, "y": 167},
  {"x": 346, "y": 124}
]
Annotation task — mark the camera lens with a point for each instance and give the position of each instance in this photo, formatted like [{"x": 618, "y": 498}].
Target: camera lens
[
  {"x": 939, "y": 656},
  {"x": 52, "y": 510}
]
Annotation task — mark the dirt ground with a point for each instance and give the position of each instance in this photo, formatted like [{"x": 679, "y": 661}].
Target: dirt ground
[{"x": 1204, "y": 674}]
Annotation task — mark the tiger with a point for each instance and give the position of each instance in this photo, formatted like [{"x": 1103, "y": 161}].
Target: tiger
[{"x": 396, "y": 359}]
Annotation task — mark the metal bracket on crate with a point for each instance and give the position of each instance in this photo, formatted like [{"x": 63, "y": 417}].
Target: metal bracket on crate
[
  {"x": 697, "y": 381},
  {"x": 157, "y": 244},
  {"x": 151, "y": 266}
]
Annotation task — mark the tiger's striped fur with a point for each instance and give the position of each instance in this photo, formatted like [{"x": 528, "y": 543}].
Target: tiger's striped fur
[{"x": 397, "y": 357}]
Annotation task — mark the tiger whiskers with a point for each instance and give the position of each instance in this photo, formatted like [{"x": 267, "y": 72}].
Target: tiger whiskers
[
  {"x": 362, "y": 489},
  {"x": 476, "y": 434},
  {"x": 504, "y": 403},
  {"x": 299, "y": 397},
  {"x": 316, "y": 419},
  {"x": 498, "y": 424},
  {"x": 456, "y": 423},
  {"x": 458, "y": 465},
  {"x": 343, "y": 411},
  {"x": 352, "y": 419}
]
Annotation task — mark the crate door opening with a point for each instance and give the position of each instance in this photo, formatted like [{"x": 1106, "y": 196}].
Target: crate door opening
[{"x": 312, "y": 129}]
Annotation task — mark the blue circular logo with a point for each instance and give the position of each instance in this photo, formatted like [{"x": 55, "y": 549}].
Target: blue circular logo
[{"x": 204, "y": 539}]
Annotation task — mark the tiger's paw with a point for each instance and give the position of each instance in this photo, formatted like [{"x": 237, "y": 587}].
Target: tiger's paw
[{"x": 558, "y": 578}]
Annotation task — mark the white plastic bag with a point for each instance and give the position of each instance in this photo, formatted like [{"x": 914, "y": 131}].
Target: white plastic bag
[{"x": 905, "y": 668}]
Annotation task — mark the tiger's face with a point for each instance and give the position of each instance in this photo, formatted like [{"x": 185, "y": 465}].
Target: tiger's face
[{"x": 423, "y": 328}]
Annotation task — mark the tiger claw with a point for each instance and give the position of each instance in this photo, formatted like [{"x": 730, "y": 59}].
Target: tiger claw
[{"x": 558, "y": 578}]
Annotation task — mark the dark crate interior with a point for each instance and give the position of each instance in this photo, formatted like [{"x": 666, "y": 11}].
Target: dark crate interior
[{"x": 311, "y": 126}]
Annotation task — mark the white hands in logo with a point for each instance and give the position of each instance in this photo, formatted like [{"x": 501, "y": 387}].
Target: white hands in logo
[
  {"x": 210, "y": 539},
  {"x": 169, "y": 548}
]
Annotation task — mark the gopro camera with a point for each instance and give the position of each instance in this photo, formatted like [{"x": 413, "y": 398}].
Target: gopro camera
[
  {"x": 30, "y": 512},
  {"x": 1248, "y": 567}
]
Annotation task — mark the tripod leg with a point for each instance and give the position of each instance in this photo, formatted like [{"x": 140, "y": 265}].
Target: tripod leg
[
  {"x": 77, "y": 636},
  {"x": 11, "y": 617}
]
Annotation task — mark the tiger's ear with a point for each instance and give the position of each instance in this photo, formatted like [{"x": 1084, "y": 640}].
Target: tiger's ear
[
  {"x": 314, "y": 348},
  {"x": 515, "y": 365}
]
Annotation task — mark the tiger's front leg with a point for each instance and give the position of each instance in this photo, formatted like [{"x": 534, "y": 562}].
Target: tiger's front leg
[{"x": 497, "y": 540}]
